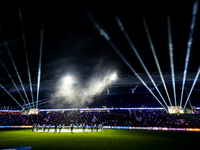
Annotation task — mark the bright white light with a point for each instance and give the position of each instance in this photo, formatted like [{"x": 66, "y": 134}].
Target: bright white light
[
  {"x": 113, "y": 77},
  {"x": 98, "y": 86},
  {"x": 189, "y": 44},
  {"x": 68, "y": 80},
  {"x": 84, "y": 92}
]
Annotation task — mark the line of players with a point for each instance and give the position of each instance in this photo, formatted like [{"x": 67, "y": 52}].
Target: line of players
[{"x": 35, "y": 127}]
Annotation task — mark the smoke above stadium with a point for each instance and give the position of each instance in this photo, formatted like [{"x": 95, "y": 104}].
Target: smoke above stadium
[{"x": 77, "y": 92}]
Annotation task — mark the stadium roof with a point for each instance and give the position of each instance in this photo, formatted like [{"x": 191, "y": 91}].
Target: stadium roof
[{"x": 125, "y": 80}]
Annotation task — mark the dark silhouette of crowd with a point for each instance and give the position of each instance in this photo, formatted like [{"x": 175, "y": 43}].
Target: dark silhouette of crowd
[{"x": 117, "y": 117}]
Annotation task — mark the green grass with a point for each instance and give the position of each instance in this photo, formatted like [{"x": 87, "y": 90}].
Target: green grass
[{"x": 108, "y": 139}]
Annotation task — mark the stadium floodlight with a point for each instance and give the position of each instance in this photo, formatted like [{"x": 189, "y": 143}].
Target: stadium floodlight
[
  {"x": 68, "y": 80},
  {"x": 15, "y": 67},
  {"x": 189, "y": 44},
  {"x": 138, "y": 56},
  {"x": 39, "y": 65},
  {"x": 27, "y": 62},
  {"x": 113, "y": 77},
  {"x": 106, "y": 36},
  {"x": 195, "y": 80}
]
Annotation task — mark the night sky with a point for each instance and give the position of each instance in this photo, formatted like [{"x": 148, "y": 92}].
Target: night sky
[{"x": 71, "y": 43}]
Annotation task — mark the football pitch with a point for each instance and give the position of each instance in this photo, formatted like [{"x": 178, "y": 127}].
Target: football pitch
[{"x": 108, "y": 139}]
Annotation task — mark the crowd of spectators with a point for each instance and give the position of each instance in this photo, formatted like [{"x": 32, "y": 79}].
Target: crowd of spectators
[{"x": 156, "y": 118}]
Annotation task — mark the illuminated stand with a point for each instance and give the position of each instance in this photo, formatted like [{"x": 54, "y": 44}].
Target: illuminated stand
[
  {"x": 175, "y": 110},
  {"x": 33, "y": 111},
  {"x": 25, "y": 112}
]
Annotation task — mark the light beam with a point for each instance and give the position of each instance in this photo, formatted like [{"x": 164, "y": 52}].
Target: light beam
[
  {"x": 27, "y": 62},
  {"x": 122, "y": 57},
  {"x": 195, "y": 80},
  {"x": 11, "y": 96},
  {"x": 155, "y": 57},
  {"x": 15, "y": 67},
  {"x": 154, "y": 87},
  {"x": 12, "y": 80},
  {"x": 138, "y": 56},
  {"x": 189, "y": 99},
  {"x": 40, "y": 61},
  {"x": 133, "y": 90},
  {"x": 43, "y": 100},
  {"x": 171, "y": 56},
  {"x": 189, "y": 44},
  {"x": 106, "y": 36}
]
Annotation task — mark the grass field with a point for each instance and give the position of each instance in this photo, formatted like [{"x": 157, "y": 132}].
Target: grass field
[{"x": 108, "y": 139}]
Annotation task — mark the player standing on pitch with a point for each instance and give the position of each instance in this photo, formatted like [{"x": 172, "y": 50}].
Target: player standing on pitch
[
  {"x": 33, "y": 127},
  {"x": 71, "y": 127},
  {"x": 100, "y": 126},
  {"x": 83, "y": 127},
  {"x": 60, "y": 126},
  {"x": 97, "y": 127},
  {"x": 44, "y": 126},
  {"x": 49, "y": 127},
  {"x": 38, "y": 126},
  {"x": 55, "y": 128},
  {"x": 92, "y": 127},
  {"x": 77, "y": 125}
]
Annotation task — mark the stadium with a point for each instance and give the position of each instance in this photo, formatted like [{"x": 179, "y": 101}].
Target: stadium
[{"x": 100, "y": 75}]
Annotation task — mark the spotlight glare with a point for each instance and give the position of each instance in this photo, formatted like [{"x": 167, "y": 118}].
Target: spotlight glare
[
  {"x": 113, "y": 77},
  {"x": 68, "y": 80},
  {"x": 99, "y": 86}
]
